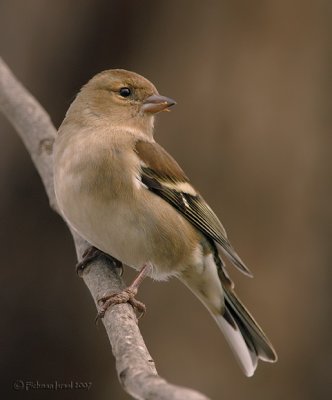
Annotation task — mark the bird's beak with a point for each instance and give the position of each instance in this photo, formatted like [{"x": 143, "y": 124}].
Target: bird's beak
[{"x": 157, "y": 103}]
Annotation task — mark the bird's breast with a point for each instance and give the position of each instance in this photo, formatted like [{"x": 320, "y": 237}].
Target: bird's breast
[{"x": 103, "y": 200}]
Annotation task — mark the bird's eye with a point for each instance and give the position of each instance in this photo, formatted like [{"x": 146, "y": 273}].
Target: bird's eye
[{"x": 125, "y": 92}]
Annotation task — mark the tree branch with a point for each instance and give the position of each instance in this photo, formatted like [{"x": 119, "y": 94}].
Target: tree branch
[{"x": 135, "y": 367}]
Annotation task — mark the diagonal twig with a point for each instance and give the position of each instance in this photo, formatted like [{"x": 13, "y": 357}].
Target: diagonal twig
[{"x": 135, "y": 367}]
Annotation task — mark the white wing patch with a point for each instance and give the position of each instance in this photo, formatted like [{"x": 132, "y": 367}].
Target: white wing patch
[
  {"x": 183, "y": 187},
  {"x": 138, "y": 182},
  {"x": 185, "y": 202}
]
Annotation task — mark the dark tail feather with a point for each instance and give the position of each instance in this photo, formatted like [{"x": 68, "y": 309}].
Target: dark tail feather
[{"x": 256, "y": 340}]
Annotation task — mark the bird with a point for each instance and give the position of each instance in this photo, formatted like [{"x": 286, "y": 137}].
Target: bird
[{"x": 129, "y": 198}]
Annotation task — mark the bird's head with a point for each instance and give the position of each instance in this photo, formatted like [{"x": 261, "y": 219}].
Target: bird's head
[{"x": 123, "y": 98}]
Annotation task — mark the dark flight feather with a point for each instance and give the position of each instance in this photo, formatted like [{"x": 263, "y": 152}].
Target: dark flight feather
[{"x": 161, "y": 174}]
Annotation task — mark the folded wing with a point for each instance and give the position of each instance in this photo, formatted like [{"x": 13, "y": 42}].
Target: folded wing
[{"x": 162, "y": 175}]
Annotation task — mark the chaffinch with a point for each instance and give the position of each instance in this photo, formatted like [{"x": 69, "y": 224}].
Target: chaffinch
[{"x": 129, "y": 198}]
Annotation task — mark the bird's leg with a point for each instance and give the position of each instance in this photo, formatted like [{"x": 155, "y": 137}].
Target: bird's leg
[
  {"x": 126, "y": 295},
  {"x": 90, "y": 254}
]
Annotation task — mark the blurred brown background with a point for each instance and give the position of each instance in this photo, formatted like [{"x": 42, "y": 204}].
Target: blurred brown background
[{"x": 252, "y": 80}]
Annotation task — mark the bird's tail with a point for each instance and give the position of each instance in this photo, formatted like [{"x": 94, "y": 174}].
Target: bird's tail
[{"x": 246, "y": 339}]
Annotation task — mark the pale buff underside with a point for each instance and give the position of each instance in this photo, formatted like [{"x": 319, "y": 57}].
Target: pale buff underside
[{"x": 102, "y": 198}]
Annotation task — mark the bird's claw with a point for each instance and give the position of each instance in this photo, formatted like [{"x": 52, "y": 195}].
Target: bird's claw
[
  {"x": 125, "y": 296},
  {"x": 90, "y": 254}
]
